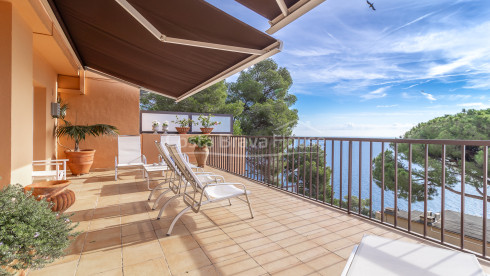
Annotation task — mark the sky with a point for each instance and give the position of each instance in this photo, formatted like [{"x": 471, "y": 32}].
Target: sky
[{"x": 364, "y": 73}]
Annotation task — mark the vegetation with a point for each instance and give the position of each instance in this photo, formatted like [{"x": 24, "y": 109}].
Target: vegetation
[
  {"x": 183, "y": 122},
  {"x": 206, "y": 120},
  {"x": 31, "y": 235},
  {"x": 259, "y": 101},
  {"x": 264, "y": 91},
  {"x": 308, "y": 163},
  {"x": 467, "y": 125},
  {"x": 201, "y": 141},
  {"x": 78, "y": 133}
]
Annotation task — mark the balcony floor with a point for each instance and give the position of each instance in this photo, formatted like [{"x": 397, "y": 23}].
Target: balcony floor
[{"x": 288, "y": 236}]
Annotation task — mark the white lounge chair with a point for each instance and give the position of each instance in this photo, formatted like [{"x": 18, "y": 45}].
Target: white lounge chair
[
  {"x": 174, "y": 186},
  {"x": 56, "y": 169},
  {"x": 128, "y": 153},
  {"x": 175, "y": 140},
  {"x": 197, "y": 194}
]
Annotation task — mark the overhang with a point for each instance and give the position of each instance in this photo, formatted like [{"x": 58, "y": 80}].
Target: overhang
[
  {"x": 175, "y": 48},
  {"x": 280, "y": 12}
]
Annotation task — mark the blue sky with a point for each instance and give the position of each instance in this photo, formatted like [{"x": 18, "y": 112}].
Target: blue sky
[{"x": 364, "y": 73}]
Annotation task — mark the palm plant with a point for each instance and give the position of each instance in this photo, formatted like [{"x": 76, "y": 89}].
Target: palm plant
[{"x": 78, "y": 133}]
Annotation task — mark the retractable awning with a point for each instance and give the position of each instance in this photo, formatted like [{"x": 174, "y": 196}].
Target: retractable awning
[
  {"x": 172, "y": 47},
  {"x": 280, "y": 12}
]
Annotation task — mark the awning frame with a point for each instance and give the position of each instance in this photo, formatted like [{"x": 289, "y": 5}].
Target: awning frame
[
  {"x": 293, "y": 13},
  {"x": 166, "y": 39}
]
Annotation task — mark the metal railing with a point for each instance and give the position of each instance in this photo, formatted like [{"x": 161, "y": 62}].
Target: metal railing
[{"x": 389, "y": 181}]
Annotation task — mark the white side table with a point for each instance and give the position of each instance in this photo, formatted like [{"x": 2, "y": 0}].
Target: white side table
[{"x": 156, "y": 167}]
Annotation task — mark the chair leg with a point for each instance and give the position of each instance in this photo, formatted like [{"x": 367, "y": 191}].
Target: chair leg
[
  {"x": 229, "y": 201},
  {"x": 115, "y": 176},
  {"x": 158, "y": 198},
  {"x": 249, "y": 206},
  {"x": 157, "y": 188},
  {"x": 169, "y": 232},
  {"x": 166, "y": 204}
]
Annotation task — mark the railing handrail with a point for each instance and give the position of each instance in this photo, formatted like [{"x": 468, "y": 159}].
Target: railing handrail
[{"x": 454, "y": 142}]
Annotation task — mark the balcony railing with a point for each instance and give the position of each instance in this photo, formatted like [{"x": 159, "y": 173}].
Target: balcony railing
[{"x": 421, "y": 187}]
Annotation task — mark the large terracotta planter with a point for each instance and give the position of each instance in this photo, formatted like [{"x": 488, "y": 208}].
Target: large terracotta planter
[
  {"x": 182, "y": 130},
  {"x": 53, "y": 191},
  {"x": 206, "y": 130},
  {"x": 201, "y": 156},
  {"x": 47, "y": 189},
  {"x": 80, "y": 161}
]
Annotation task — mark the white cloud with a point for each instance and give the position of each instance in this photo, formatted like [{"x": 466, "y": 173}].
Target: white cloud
[
  {"x": 428, "y": 96},
  {"x": 378, "y": 93},
  {"x": 386, "y": 106},
  {"x": 475, "y": 105}
]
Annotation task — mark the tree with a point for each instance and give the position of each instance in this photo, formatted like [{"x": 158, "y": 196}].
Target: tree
[
  {"x": 211, "y": 100},
  {"x": 467, "y": 125},
  {"x": 264, "y": 91},
  {"x": 309, "y": 166}
]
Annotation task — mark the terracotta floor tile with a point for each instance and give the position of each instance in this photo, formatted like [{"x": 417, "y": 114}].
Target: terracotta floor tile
[
  {"x": 338, "y": 244},
  {"x": 299, "y": 269},
  {"x": 173, "y": 245},
  {"x": 105, "y": 223},
  {"x": 209, "y": 270},
  {"x": 67, "y": 268},
  {"x": 151, "y": 267},
  {"x": 187, "y": 261},
  {"x": 324, "y": 261},
  {"x": 179, "y": 230},
  {"x": 126, "y": 219},
  {"x": 139, "y": 238},
  {"x": 281, "y": 264},
  {"x": 138, "y": 253},
  {"x": 99, "y": 261},
  {"x": 282, "y": 235},
  {"x": 210, "y": 236},
  {"x": 271, "y": 256},
  {"x": 244, "y": 266},
  {"x": 112, "y": 272},
  {"x": 136, "y": 227},
  {"x": 345, "y": 252},
  {"x": 102, "y": 240},
  {"x": 222, "y": 251},
  {"x": 327, "y": 238},
  {"x": 335, "y": 269}
]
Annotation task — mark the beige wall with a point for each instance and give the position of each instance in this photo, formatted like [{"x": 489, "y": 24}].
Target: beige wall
[
  {"x": 27, "y": 85},
  {"x": 105, "y": 102}
]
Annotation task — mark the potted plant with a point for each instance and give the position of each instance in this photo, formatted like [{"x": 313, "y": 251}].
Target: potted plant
[
  {"x": 201, "y": 151},
  {"x": 80, "y": 161},
  {"x": 207, "y": 124},
  {"x": 31, "y": 235},
  {"x": 165, "y": 127},
  {"x": 184, "y": 125},
  {"x": 154, "y": 126}
]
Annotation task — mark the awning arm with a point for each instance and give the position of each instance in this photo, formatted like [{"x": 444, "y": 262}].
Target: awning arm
[
  {"x": 294, "y": 12},
  {"x": 283, "y": 7},
  {"x": 244, "y": 64},
  {"x": 166, "y": 39}
]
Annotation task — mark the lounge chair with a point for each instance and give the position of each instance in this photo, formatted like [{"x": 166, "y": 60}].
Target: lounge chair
[
  {"x": 175, "y": 140},
  {"x": 174, "y": 186},
  {"x": 128, "y": 153},
  {"x": 197, "y": 194}
]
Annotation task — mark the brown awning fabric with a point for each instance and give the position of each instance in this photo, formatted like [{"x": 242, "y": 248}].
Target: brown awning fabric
[
  {"x": 146, "y": 43},
  {"x": 280, "y": 12}
]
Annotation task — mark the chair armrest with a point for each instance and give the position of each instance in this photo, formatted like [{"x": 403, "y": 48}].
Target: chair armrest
[{"x": 143, "y": 158}]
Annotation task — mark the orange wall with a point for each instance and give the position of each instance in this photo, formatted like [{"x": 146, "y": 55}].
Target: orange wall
[
  {"x": 5, "y": 89},
  {"x": 45, "y": 78},
  {"x": 151, "y": 153},
  {"x": 105, "y": 102}
]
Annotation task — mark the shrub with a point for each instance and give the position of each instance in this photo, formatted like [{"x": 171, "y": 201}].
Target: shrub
[
  {"x": 201, "y": 141},
  {"x": 31, "y": 235}
]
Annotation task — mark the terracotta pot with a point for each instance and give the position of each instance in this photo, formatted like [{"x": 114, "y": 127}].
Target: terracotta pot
[
  {"x": 62, "y": 201},
  {"x": 201, "y": 156},
  {"x": 80, "y": 161},
  {"x": 182, "y": 130},
  {"x": 206, "y": 130},
  {"x": 47, "y": 189}
]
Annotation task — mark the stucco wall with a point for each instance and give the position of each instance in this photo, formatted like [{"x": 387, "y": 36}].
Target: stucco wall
[
  {"x": 105, "y": 102},
  {"x": 22, "y": 100},
  {"x": 5, "y": 88}
]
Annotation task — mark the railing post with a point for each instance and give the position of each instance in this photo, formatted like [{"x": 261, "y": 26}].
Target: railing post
[{"x": 349, "y": 191}]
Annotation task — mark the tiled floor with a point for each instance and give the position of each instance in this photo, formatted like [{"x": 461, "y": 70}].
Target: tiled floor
[{"x": 288, "y": 236}]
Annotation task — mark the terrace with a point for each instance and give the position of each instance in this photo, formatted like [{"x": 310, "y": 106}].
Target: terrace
[{"x": 289, "y": 235}]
